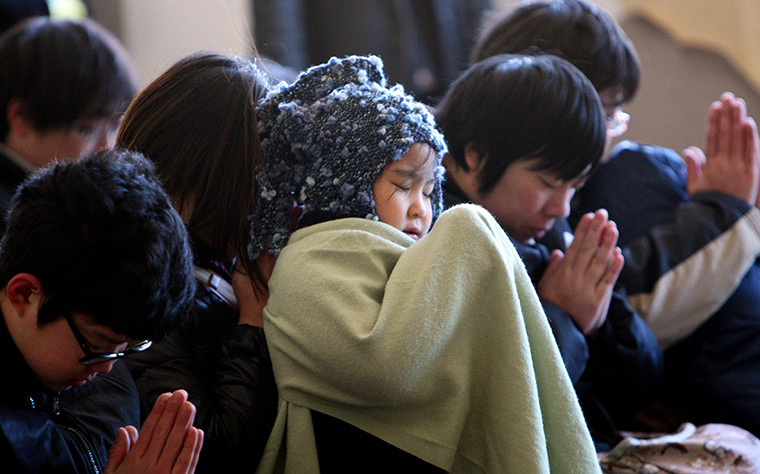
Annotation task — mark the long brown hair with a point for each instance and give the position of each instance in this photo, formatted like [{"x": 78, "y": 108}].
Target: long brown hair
[{"x": 197, "y": 123}]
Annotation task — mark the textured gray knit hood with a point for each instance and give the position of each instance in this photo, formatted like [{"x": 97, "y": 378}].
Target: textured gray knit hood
[{"x": 326, "y": 138}]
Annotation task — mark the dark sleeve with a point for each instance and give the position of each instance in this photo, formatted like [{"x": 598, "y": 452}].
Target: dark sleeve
[
  {"x": 640, "y": 186},
  {"x": 239, "y": 410},
  {"x": 227, "y": 373},
  {"x": 671, "y": 241},
  {"x": 664, "y": 272},
  {"x": 570, "y": 340},
  {"x": 626, "y": 365}
]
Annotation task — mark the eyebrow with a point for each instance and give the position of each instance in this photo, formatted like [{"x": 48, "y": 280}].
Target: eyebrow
[
  {"x": 413, "y": 173},
  {"x": 105, "y": 338}
]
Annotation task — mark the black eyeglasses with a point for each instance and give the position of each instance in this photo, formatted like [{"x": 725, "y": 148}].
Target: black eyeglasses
[{"x": 93, "y": 358}]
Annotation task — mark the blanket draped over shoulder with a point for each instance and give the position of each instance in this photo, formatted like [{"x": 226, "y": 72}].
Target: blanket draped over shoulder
[{"x": 440, "y": 348}]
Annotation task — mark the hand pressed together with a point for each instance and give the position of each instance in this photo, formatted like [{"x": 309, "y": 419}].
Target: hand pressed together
[
  {"x": 731, "y": 163},
  {"x": 581, "y": 280},
  {"x": 168, "y": 443}
]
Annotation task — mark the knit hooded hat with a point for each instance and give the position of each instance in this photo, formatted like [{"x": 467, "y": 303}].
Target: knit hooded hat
[{"x": 326, "y": 138}]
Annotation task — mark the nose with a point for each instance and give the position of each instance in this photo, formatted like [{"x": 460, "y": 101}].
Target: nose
[
  {"x": 558, "y": 205},
  {"x": 103, "y": 367},
  {"x": 417, "y": 208},
  {"x": 106, "y": 138}
]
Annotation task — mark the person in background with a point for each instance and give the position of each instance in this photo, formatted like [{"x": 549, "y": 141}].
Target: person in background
[
  {"x": 424, "y": 43},
  {"x": 197, "y": 123},
  {"x": 690, "y": 242},
  {"x": 64, "y": 85},
  {"x": 94, "y": 266},
  {"x": 520, "y": 145}
]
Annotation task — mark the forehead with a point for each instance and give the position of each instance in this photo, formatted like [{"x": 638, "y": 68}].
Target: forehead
[
  {"x": 611, "y": 97},
  {"x": 420, "y": 159},
  {"x": 103, "y": 334},
  {"x": 535, "y": 165}
]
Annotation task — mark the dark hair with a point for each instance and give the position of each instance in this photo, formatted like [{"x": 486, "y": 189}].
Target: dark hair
[
  {"x": 576, "y": 30},
  {"x": 63, "y": 71},
  {"x": 197, "y": 123},
  {"x": 103, "y": 239},
  {"x": 514, "y": 107}
]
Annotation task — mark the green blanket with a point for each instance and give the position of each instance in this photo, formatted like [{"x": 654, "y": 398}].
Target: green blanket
[{"x": 440, "y": 348}]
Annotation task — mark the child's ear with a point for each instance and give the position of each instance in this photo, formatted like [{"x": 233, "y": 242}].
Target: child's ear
[
  {"x": 15, "y": 116},
  {"x": 472, "y": 158},
  {"x": 24, "y": 292}
]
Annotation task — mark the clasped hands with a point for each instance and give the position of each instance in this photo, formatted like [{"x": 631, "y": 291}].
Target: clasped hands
[{"x": 581, "y": 280}]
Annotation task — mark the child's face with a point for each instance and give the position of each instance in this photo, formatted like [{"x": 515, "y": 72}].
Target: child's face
[
  {"x": 526, "y": 202},
  {"x": 403, "y": 191}
]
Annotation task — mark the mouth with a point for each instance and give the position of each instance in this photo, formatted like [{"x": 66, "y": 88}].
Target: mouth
[
  {"x": 81, "y": 382},
  {"x": 413, "y": 233}
]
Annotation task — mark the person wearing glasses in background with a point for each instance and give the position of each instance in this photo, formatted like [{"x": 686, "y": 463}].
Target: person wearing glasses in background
[
  {"x": 690, "y": 240},
  {"x": 94, "y": 265},
  {"x": 64, "y": 85}
]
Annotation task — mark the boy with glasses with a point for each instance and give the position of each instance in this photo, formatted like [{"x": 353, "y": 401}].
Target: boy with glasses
[{"x": 94, "y": 265}]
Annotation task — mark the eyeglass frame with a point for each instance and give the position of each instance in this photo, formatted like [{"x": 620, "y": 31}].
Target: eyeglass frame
[{"x": 93, "y": 358}]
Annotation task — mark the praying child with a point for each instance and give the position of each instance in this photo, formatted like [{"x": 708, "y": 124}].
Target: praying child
[{"x": 401, "y": 337}]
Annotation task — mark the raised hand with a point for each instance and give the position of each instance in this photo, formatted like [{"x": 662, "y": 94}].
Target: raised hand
[
  {"x": 168, "y": 443},
  {"x": 731, "y": 163},
  {"x": 581, "y": 280}
]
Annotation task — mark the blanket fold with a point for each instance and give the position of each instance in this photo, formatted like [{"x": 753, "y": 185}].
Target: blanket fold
[{"x": 440, "y": 348}]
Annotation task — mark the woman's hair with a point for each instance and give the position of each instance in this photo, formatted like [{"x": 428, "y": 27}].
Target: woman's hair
[
  {"x": 197, "y": 123},
  {"x": 577, "y": 30},
  {"x": 514, "y": 107},
  {"x": 63, "y": 71}
]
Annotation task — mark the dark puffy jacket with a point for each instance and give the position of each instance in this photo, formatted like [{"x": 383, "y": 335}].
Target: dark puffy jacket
[
  {"x": 56, "y": 432},
  {"x": 226, "y": 370}
]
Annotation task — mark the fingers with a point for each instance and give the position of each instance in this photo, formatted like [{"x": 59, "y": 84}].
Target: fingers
[
  {"x": 176, "y": 440},
  {"x": 695, "y": 163},
  {"x": 118, "y": 451},
  {"x": 150, "y": 424},
  {"x": 616, "y": 266},
  {"x": 176, "y": 417},
  {"x": 191, "y": 449},
  {"x": 602, "y": 259},
  {"x": 197, "y": 451},
  {"x": 586, "y": 239},
  {"x": 739, "y": 120},
  {"x": 132, "y": 434}
]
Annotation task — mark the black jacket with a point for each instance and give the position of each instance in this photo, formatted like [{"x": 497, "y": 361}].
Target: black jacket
[
  {"x": 56, "y": 432},
  {"x": 226, "y": 370}
]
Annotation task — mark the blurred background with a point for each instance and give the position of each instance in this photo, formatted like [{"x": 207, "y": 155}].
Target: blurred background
[{"x": 691, "y": 50}]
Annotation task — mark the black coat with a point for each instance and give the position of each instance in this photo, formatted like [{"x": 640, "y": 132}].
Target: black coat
[
  {"x": 70, "y": 431},
  {"x": 226, "y": 370}
]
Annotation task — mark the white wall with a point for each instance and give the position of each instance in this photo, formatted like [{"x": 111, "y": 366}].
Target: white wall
[{"x": 159, "y": 32}]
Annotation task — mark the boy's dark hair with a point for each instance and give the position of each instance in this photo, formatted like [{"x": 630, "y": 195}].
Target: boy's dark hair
[
  {"x": 514, "y": 107},
  {"x": 197, "y": 123},
  {"x": 577, "y": 30},
  {"x": 104, "y": 240},
  {"x": 63, "y": 71}
]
